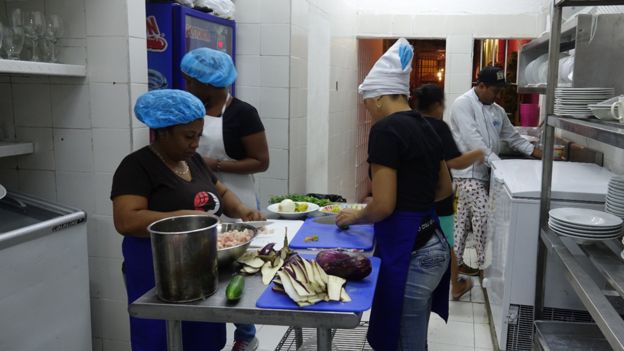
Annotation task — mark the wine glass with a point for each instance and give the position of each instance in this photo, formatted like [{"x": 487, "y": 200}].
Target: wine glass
[
  {"x": 34, "y": 24},
  {"x": 17, "y": 19},
  {"x": 53, "y": 31},
  {"x": 13, "y": 42}
]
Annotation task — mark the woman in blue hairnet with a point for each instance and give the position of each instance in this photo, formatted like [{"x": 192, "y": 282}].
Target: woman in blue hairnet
[
  {"x": 408, "y": 175},
  {"x": 167, "y": 178},
  {"x": 233, "y": 143}
]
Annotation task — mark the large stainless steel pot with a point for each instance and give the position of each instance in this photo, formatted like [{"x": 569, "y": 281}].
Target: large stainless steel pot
[{"x": 184, "y": 250}]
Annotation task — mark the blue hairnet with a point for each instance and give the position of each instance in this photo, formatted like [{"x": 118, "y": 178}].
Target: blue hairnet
[
  {"x": 168, "y": 107},
  {"x": 209, "y": 67}
]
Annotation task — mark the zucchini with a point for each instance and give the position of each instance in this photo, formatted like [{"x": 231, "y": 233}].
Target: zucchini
[{"x": 235, "y": 287}]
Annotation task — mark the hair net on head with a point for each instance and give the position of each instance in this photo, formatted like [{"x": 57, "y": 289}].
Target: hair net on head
[
  {"x": 209, "y": 67},
  {"x": 168, "y": 107},
  {"x": 391, "y": 73}
]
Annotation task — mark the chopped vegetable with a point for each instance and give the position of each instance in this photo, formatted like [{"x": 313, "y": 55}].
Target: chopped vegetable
[
  {"x": 310, "y": 238},
  {"x": 306, "y": 283}
]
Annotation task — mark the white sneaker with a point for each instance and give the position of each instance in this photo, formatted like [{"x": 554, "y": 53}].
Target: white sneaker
[{"x": 244, "y": 345}]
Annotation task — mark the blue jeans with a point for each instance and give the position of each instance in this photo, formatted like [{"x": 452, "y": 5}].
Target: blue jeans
[
  {"x": 427, "y": 267},
  {"x": 244, "y": 332}
]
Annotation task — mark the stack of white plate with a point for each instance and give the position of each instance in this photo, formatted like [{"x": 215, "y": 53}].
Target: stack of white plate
[
  {"x": 615, "y": 197},
  {"x": 572, "y": 102},
  {"x": 584, "y": 224}
]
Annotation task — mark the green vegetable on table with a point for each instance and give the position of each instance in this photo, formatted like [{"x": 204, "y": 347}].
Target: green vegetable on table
[
  {"x": 234, "y": 289},
  {"x": 299, "y": 198}
]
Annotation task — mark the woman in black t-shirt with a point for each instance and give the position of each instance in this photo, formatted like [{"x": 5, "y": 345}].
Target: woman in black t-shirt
[
  {"x": 233, "y": 142},
  {"x": 430, "y": 102},
  {"x": 162, "y": 180},
  {"x": 408, "y": 176}
]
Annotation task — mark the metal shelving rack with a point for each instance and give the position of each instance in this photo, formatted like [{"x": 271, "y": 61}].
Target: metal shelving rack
[{"x": 582, "y": 262}]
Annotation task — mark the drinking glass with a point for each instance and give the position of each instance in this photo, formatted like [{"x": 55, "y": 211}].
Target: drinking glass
[
  {"x": 17, "y": 19},
  {"x": 34, "y": 24},
  {"x": 1, "y": 36},
  {"x": 13, "y": 42},
  {"x": 53, "y": 31}
]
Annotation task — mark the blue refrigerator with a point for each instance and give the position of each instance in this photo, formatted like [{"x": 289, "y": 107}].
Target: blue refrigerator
[{"x": 172, "y": 31}]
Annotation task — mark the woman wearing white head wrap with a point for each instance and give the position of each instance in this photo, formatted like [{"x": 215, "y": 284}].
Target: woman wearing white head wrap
[{"x": 408, "y": 175}]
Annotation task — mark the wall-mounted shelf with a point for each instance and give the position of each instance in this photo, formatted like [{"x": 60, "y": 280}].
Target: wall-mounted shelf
[
  {"x": 611, "y": 133},
  {"x": 564, "y": 3},
  {"x": 42, "y": 68},
  {"x": 532, "y": 89},
  {"x": 14, "y": 148}
]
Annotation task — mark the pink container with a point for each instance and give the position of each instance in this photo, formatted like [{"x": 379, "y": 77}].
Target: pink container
[{"x": 529, "y": 115}]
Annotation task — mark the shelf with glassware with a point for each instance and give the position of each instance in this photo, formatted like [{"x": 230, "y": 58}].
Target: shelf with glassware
[
  {"x": 30, "y": 45},
  {"x": 15, "y": 148}
]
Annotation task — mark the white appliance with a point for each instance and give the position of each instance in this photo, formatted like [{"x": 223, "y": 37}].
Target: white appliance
[
  {"x": 512, "y": 242},
  {"x": 44, "y": 276}
]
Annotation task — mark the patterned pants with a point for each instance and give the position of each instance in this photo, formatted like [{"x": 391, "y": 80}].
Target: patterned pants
[{"x": 472, "y": 212}]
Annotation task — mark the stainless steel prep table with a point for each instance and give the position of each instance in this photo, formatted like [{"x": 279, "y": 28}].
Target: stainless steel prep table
[{"x": 216, "y": 309}]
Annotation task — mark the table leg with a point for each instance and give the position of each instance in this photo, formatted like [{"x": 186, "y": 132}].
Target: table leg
[
  {"x": 298, "y": 337},
  {"x": 323, "y": 339},
  {"x": 174, "y": 335}
]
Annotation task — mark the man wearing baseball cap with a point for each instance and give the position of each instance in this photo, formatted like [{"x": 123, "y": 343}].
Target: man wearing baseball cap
[{"x": 477, "y": 122}]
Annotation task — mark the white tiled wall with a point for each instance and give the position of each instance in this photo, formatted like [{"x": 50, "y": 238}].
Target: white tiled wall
[
  {"x": 263, "y": 63},
  {"x": 81, "y": 129},
  {"x": 457, "y": 76}
]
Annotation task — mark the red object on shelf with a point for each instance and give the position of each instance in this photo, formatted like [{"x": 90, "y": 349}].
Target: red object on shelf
[{"x": 529, "y": 115}]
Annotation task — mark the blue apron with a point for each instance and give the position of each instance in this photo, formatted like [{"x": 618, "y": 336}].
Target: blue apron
[
  {"x": 150, "y": 334},
  {"x": 395, "y": 237}
]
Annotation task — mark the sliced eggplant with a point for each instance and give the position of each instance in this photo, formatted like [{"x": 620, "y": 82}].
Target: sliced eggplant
[
  {"x": 269, "y": 270},
  {"x": 344, "y": 297},
  {"x": 289, "y": 288},
  {"x": 334, "y": 287}
]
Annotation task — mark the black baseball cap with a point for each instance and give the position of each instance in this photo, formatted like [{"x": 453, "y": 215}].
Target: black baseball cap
[{"x": 491, "y": 75}]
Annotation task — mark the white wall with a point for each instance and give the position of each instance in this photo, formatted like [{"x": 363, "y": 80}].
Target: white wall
[
  {"x": 263, "y": 63},
  {"x": 451, "y": 7},
  {"x": 82, "y": 128},
  {"x": 323, "y": 97}
]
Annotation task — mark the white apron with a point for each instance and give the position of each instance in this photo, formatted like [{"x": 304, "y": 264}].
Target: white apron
[{"x": 211, "y": 144}]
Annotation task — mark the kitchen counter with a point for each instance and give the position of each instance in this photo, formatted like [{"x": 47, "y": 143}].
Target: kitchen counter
[{"x": 217, "y": 309}]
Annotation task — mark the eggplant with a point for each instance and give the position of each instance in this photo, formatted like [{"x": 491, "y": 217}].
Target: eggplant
[
  {"x": 344, "y": 265},
  {"x": 267, "y": 249}
]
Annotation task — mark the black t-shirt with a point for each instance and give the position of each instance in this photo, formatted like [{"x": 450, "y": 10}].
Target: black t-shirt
[
  {"x": 143, "y": 173},
  {"x": 406, "y": 142},
  {"x": 239, "y": 120},
  {"x": 449, "y": 152}
]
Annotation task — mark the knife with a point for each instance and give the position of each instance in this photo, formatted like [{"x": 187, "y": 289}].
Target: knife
[{"x": 257, "y": 224}]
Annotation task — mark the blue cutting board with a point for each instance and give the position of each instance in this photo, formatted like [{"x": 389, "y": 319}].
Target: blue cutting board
[
  {"x": 361, "y": 293},
  {"x": 360, "y": 237}
]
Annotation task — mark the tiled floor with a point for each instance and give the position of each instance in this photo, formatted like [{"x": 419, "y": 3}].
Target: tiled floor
[{"x": 467, "y": 329}]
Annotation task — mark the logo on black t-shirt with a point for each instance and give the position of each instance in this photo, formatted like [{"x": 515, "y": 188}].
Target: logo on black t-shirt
[{"x": 207, "y": 201}]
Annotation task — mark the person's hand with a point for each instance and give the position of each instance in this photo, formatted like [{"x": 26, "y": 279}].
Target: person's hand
[
  {"x": 537, "y": 153},
  {"x": 347, "y": 217},
  {"x": 211, "y": 163},
  {"x": 480, "y": 156},
  {"x": 248, "y": 214}
]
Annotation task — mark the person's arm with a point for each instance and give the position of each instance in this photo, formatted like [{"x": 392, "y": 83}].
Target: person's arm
[
  {"x": 444, "y": 188},
  {"x": 466, "y": 159},
  {"x": 383, "y": 202},
  {"x": 131, "y": 216},
  {"x": 512, "y": 137},
  {"x": 466, "y": 130},
  {"x": 257, "y": 160},
  {"x": 233, "y": 207}
]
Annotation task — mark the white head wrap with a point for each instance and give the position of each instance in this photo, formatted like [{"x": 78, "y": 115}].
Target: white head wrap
[{"x": 391, "y": 73}]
